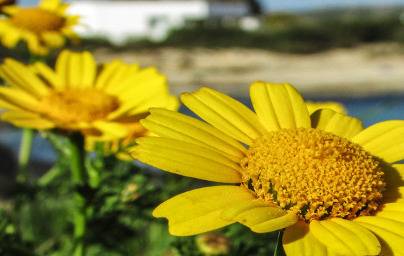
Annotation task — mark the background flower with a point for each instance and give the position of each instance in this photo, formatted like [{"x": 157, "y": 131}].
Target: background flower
[
  {"x": 323, "y": 177},
  {"x": 42, "y": 28},
  {"x": 77, "y": 96}
]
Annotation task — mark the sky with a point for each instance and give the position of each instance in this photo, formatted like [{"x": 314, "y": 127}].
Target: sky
[
  {"x": 296, "y": 5},
  {"x": 305, "y": 5}
]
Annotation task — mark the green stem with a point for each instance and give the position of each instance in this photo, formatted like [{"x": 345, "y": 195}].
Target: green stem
[
  {"x": 49, "y": 176},
  {"x": 279, "y": 247},
  {"x": 26, "y": 142},
  {"x": 76, "y": 146},
  {"x": 25, "y": 152}
]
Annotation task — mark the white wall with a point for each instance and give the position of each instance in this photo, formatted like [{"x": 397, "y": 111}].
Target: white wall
[{"x": 120, "y": 20}]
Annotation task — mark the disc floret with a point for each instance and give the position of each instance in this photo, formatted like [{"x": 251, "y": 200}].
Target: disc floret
[
  {"x": 313, "y": 173},
  {"x": 37, "y": 20},
  {"x": 74, "y": 106}
]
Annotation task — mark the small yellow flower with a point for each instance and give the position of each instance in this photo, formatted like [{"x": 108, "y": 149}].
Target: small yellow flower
[
  {"x": 123, "y": 146},
  {"x": 42, "y": 28},
  {"x": 213, "y": 244},
  {"x": 130, "y": 193},
  {"x": 77, "y": 96},
  {"x": 314, "y": 106},
  {"x": 323, "y": 178}
]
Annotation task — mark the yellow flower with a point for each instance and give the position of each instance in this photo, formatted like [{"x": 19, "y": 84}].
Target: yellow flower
[
  {"x": 314, "y": 106},
  {"x": 77, "y": 96},
  {"x": 42, "y": 28},
  {"x": 123, "y": 146},
  {"x": 322, "y": 177}
]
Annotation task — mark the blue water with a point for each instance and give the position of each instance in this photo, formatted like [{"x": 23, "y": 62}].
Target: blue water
[
  {"x": 370, "y": 110},
  {"x": 374, "y": 110}
]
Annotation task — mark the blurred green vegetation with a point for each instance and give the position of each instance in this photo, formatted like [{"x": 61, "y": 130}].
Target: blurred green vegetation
[{"x": 283, "y": 32}]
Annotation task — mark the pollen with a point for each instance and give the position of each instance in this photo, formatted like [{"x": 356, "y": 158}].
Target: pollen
[
  {"x": 314, "y": 174},
  {"x": 37, "y": 20},
  {"x": 74, "y": 106}
]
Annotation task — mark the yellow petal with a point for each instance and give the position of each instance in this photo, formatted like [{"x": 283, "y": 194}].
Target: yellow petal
[
  {"x": 22, "y": 77},
  {"x": 389, "y": 232},
  {"x": 259, "y": 216},
  {"x": 174, "y": 125},
  {"x": 137, "y": 94},
  {"x": 186, "y": 159},
  {"x": 164, "y": 100},
  {"x": 275, "y": 224},
  {"x": 6, "y": 104},
  {"x": 393, "y": 211},
  {"x": 198, "y": 211},
  {"x": 384, "y": 140},
  {"x": 111, "y": 130},
  {"x": 132, "y": 78},
  {"x": 345, "y": 237},
  {"x": 140, "y": 97},
  {"x": 231, "y": 212},
  {"x": 336, "y": 123},
  {"x": 34, "y": 45},
  {"x": 61, "y": 66},
  {"x": 10, "y": 40},
  {"x": 50, "y": 5},
  {"x": 79, "y": 69},
  {"x": 49, "y": 75},
  {"x": 89, "y": 68},
  {"x": 336, "y": 106},
  {"x": 393, "y": 175},
  {"x": 26, "y": 119},
  {"x": 225, "y": 113},
  {"x": 109, "y": 72},
  {"x": 279, "y": 106},
  {"x": 298, "y": 240},
  {"x": 53, "y": 39},
  {"x": 18, "y": 98},
  {"x": 10, "y": 9},
  {"x": 171, "y": 103},
  {"x": 393, "y": 194}
]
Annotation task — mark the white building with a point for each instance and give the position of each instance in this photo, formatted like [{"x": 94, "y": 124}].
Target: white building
[{"x": 118, "y": 21}]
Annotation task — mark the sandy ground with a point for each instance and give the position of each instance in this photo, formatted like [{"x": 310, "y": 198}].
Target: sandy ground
[{"x": 354, "y": 72}]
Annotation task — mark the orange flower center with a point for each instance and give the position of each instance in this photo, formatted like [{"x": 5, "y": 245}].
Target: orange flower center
[
  {"x": 314, "y": 174},
  {"x": 37, "y": 20},
  {"x": 73, "y": 106}
]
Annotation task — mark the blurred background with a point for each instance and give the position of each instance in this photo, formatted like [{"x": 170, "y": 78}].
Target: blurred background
[{"x": 346, "y": 51}]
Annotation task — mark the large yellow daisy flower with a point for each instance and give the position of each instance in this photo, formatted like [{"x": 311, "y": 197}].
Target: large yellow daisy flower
[
  {"x": 42, "y": 28},
  {"x": 77, "y": 96},
  {"x": 322, "y": 177}
]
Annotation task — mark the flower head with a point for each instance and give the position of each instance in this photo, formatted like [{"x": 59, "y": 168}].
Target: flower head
[
  {"x": 42, "y": 28},
  {"x": 100, "y": 102},
  {"x": 330, "y": 183}
]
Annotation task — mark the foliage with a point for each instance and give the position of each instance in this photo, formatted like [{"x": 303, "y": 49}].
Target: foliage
[
  {"x": 242, "y": 242},
  {"x": 40, "y": 221},
  {"x": 283, "y": 32}
]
